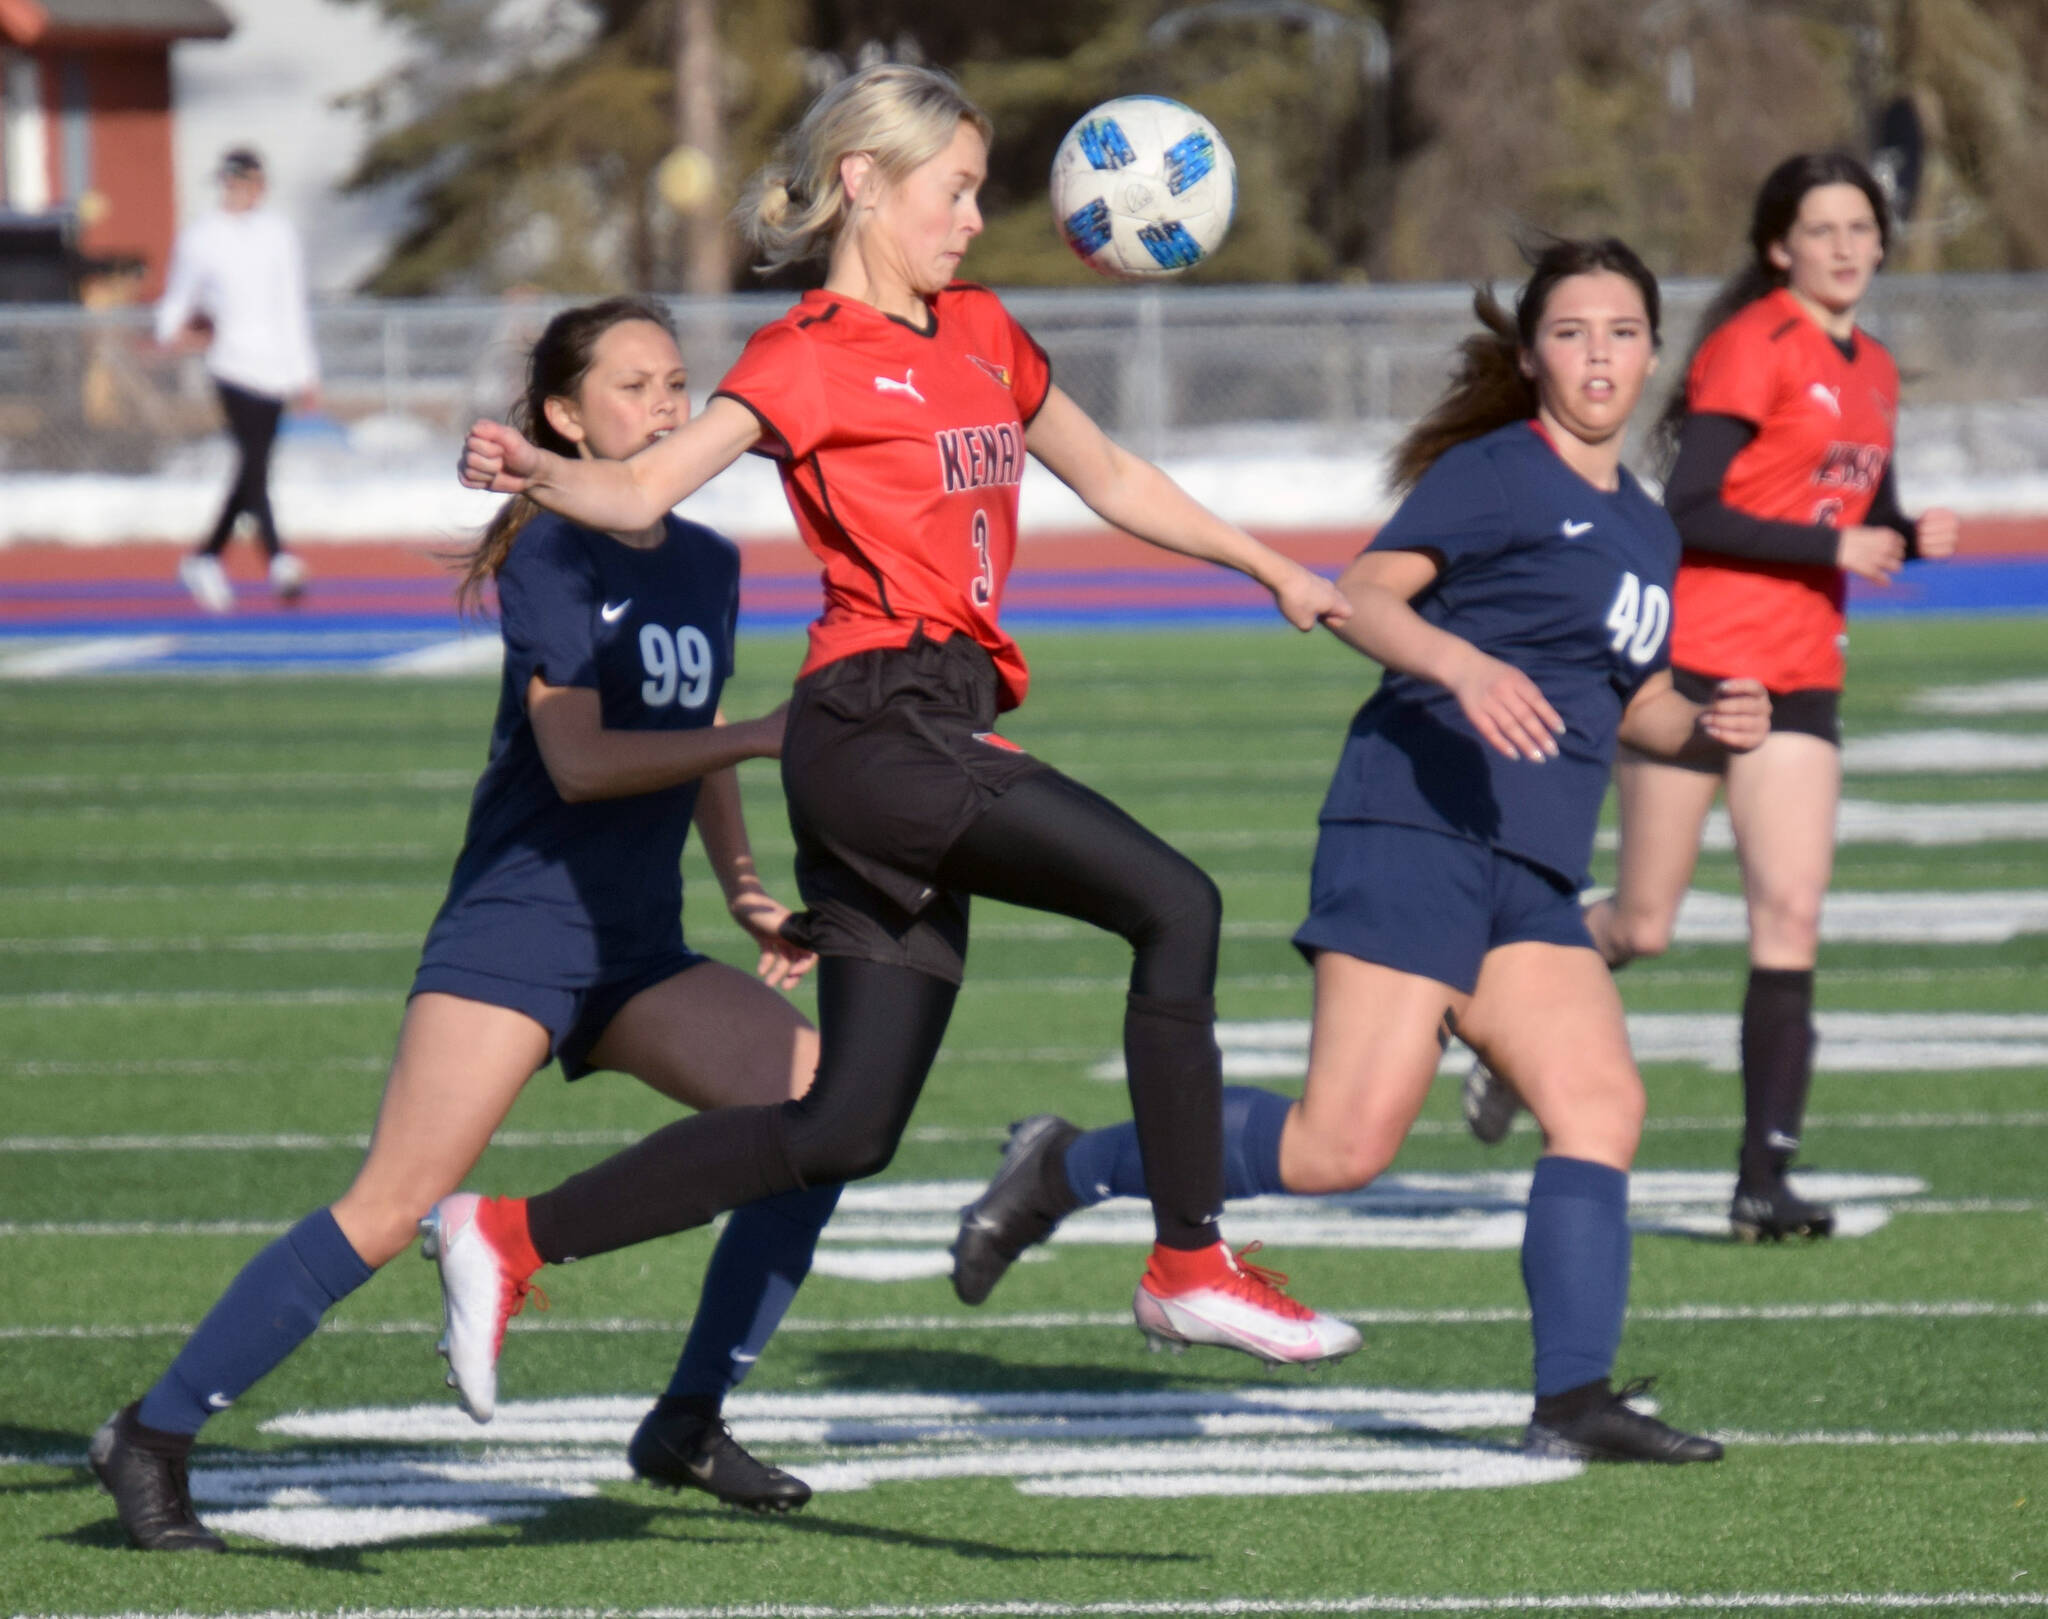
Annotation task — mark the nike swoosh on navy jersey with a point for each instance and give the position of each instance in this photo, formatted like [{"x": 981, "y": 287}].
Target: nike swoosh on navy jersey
[{"x": 611, "y": 613}]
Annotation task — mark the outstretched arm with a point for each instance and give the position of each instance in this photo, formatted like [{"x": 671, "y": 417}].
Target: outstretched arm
[
  {"x": 1660, "y": 720},
  {"x": 1511, "y": 715},
  {"x": 722, "y": 824},
  {"x": 1130, "y": 492},
  {"x": 616, "y": 496},
  {"x": 586, "y": 761}
]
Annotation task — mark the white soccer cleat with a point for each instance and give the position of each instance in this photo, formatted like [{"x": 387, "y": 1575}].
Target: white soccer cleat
[
  {"x": 480, "y": 1293},
  {"x": 287, "y": 577},
  {"x": 1490, "y": 1103},
  {"x": 207, "y": 581},
  {"x": 1237, "y": 1305}
]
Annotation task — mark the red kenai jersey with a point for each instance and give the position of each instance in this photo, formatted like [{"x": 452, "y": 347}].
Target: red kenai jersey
[
  {"x": 1824, "y": 434},
  {"x": 901, "y": 454}
]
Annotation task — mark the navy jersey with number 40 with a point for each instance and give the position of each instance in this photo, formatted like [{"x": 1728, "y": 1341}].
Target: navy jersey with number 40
[
  {"x": 1569, "y": 583},
  {"x": 549, "y": 892}
]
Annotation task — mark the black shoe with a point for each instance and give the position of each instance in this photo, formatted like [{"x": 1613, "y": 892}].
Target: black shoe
[
  {"x": 1013, "y": 1214},
  {"x": 676, "y": 1449},
  {"x": 149, "y": 1489},
  {"x": 1773, "y": 1214},
  {"x": 1596, "y": 1424}
]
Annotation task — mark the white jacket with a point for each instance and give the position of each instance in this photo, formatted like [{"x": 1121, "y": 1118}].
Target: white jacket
[{"x": 245, "y": 273}]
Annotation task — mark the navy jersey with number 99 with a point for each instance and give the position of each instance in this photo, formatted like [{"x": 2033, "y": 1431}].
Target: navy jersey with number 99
[
  {"x": 1569, "y": 583},
  {"x": 549, "y": 892}
]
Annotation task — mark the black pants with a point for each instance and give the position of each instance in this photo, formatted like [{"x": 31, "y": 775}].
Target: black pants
[
  {"x": 252, "y": 420},
  {"x": 1047, "y": 843}
]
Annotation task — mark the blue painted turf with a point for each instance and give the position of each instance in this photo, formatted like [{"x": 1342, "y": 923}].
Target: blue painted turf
[{"x": 1120, "y": 600}]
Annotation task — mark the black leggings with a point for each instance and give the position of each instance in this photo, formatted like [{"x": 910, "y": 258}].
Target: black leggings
[
  {"x": 1050, "y": 844},
  {"x": 252, "y": 419}
]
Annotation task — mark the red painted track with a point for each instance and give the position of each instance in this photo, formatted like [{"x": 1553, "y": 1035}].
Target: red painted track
[{"x": 1099, "y": 551}]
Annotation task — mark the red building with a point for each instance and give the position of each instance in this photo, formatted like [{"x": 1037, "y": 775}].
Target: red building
[{"x": 85, "y": 120}]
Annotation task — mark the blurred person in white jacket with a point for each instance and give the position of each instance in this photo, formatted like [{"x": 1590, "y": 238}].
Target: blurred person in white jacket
[{"x": 237, "y": 289}]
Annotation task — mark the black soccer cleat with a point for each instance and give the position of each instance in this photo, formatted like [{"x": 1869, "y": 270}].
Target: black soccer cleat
[
  {"x": 675, "y": 1449},
  {"x": 149, "y": 1488},
  {"x": 1597, "y": 1424},
  {"x": 1012, "y": 1214},
  {"x": 1778, "y": 1213}
]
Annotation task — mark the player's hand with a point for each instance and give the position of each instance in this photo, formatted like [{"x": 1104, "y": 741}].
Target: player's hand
[
  {"x": 497, "y": 458},
  {"x": 1507, "y": 709},
  {"x": 1871, "y": 553},
  {"x": 1306, "y": 599},
  {"x": 782, "y": 964},
  {"x": 1940, "y": 528},
  {"x": 1739, "y": 716}
]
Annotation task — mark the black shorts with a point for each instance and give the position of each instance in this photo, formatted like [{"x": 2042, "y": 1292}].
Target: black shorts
[
  {"x": 887, "y": 758},
  {"x": 1809, "y": 711}
]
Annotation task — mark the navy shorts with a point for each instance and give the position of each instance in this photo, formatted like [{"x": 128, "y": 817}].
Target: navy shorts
[
  {"x": 575, "y": 1018},
  {"x": 1430, "y": 903}
]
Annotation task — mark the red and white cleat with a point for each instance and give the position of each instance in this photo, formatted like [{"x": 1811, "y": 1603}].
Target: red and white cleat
[
  {"x": 486, "y": 1263},
  {"x": 1212, "y": 1296}
]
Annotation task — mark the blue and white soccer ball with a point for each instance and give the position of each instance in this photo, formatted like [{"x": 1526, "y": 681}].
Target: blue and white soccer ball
[{"x": 1142, "y": 187}]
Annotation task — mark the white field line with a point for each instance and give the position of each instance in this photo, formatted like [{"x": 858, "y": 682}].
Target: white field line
[
  {"x": 1989, "y": 697},
  {"x": 1944, "y": 752},
  {"x": 1871, "y": 821},
  {"x": 1120, "y": 1320},
  {"x": 1246, "y": 1607},
  {"x": 944, "y": 1134},
  {"x": 1865, "y": 1042},
  {"x": 84, "y": 657},
  {"x": 480, "y": 654}
]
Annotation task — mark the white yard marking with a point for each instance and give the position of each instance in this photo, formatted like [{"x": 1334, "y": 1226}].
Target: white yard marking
[
  {"x": 411, "y": 1471},
  {"x": 467, "y": 655},
  {"x": 1120, "y": 1320},
  {"x": 1867, "y": 1042},
  {"x": 1991, "y": 697},
  {"x": 1749, "y": 1601},
  {"x": 1989, "y": 916},
  {"x": 1944, "y": 753},
  {"x": 85, "y": 657},
  {"x": 1863, "y": 820},
  {"x": 1463, "y": 1211}
]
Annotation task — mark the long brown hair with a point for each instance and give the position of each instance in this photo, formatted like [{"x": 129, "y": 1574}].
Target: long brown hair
[
  {"x": 554, "y": 370},
  {"x": 1488, "y": 389},
  {"x": 1770, "y": 222}
]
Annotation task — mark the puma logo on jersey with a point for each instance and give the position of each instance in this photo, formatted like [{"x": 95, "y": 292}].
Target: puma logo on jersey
[
  {"x": 998, "y": 374},
  {"x": 889, "y": 385},
  {"x": 1573, "y": 530},
  {"x": 992, "y": 740},
  {"x": 1829, "y": 399},
  {"x": 612, "y": 612}
]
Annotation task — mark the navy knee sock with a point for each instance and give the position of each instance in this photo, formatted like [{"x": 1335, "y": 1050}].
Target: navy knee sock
[
  {"x": 760, "y": 1261},
  {"x": 268, "y": 1311},
  {"x": 1104, "y": 1163},
  {"x": 1575, "y": 1257}
]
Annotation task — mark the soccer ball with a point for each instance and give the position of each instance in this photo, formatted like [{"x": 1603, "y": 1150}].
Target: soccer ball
[{"x": 1142, "y": 187}]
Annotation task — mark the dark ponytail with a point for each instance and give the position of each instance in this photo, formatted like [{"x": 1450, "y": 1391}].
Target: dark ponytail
[
  {"x": 1488, "y": 389},
  {"x": 554, "y": 370},
  {"x": 1770, "y": 222}
]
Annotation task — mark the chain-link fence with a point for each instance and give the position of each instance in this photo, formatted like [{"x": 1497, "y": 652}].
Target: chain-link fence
[{"x": 1178, "y": 372}]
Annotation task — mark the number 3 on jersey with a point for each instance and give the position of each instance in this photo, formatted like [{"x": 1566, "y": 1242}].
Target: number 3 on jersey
[
  {"x": 983, "y": 590},
  {"x": 1639, "y": 618},
  {"x": 678, "y": 666}
]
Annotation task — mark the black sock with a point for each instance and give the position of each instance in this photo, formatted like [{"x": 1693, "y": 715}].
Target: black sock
[
  {"x": 1176, "y": 1080},
  {"x": 1777, "y": 1071},
  {"x": 684, "y": 1175},
  {"x": 160, "y": 1441},
  {"x": 704, "y": 1407}
]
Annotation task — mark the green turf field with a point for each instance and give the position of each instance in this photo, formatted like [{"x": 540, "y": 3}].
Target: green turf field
[{"x": 213, "y": 893}]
